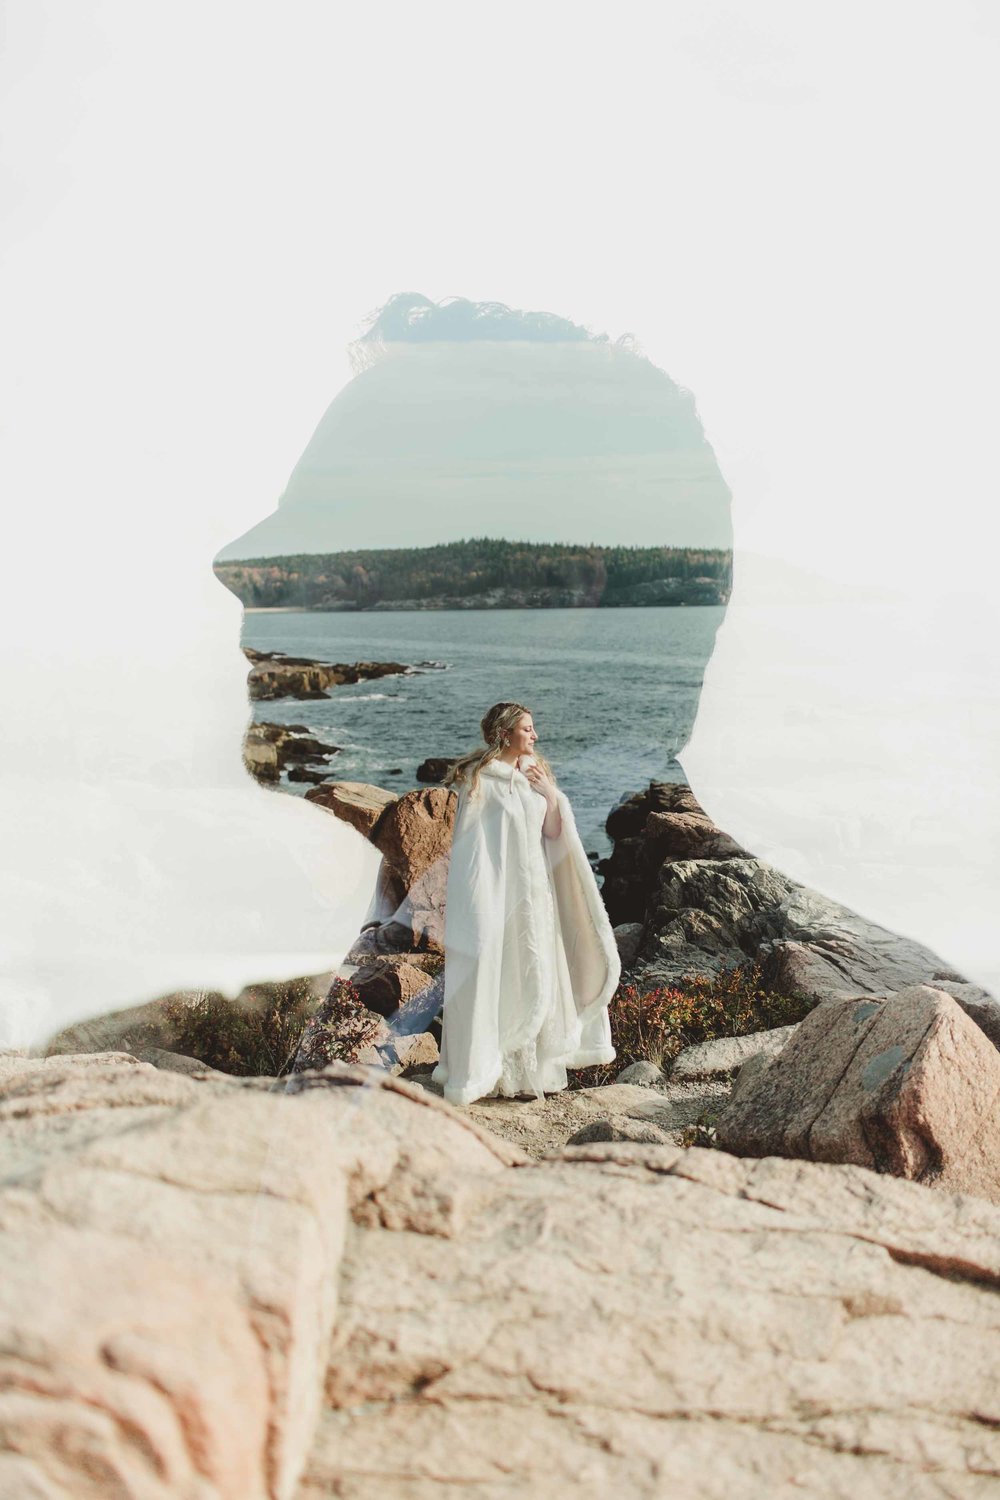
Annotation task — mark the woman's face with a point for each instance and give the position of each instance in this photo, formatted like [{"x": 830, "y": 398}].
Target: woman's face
[{"x": 523, "y": 736}]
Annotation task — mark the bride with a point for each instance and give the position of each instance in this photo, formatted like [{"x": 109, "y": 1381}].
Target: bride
[{"x": 530, "y": 957}]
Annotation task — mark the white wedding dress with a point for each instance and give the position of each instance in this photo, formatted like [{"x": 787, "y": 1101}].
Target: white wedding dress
[{"x": 530, "y": 958}]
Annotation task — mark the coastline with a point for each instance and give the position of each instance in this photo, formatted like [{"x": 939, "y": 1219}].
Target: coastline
[
  {"x": 482, "y": 574},
  {"x": 426, "y": 712},
  {"x": 411, "y": 606}
]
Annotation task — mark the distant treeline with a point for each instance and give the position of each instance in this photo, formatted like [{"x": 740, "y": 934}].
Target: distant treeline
[{"x": 483, "y": 573}]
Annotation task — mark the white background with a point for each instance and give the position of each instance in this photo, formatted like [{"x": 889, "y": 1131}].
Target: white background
[{"x": 790, "y": 205}]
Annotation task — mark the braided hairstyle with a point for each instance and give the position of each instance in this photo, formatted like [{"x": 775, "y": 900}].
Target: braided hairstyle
[{"x": 496, "y": 724}]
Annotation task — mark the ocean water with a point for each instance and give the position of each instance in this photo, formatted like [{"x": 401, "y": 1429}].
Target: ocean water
[{"x": 613, "y": 692}]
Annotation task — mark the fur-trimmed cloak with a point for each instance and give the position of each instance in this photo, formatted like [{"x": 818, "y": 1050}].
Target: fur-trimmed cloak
[{"x": 530, "y": 958}]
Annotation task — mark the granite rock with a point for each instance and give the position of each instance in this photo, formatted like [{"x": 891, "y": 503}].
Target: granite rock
[
  {"x": 906, "y": 1084},
  {"x": 229, "y": 1290}
]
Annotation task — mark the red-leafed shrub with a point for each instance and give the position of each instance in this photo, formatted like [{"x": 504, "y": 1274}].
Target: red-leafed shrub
[
  {"x": 654, "y": 1025},
  {"x": 339, "y": 1030}
]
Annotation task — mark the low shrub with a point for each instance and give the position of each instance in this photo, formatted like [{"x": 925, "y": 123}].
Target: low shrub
[
  {"x": 248, "y": 1041},
  {"x": 654, "y": 1025},
  {"x": 281, "y": 1033}
]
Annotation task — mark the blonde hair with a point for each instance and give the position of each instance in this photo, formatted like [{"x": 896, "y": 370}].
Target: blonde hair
[{"x": 496, "y": 725}]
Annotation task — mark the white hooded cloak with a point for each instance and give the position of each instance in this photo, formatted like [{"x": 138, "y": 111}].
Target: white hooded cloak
[{"x": 530, "y": 958}]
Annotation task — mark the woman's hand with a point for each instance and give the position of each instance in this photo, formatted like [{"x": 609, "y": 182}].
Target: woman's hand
[
  {"x": 541, "y": 782},
  {"x": 552, "y": 824}
]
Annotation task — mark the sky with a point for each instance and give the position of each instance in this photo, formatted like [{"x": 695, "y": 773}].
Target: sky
[
  {"x": 789, "y": 206},
  {"x": 529, "y": 440}
]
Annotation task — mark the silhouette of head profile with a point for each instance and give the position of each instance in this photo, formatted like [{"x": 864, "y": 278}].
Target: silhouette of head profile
[{"x": 500, "y": 493}]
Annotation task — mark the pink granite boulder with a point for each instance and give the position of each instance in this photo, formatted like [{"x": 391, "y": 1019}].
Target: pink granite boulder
[{"x": 906, "y": 1084}]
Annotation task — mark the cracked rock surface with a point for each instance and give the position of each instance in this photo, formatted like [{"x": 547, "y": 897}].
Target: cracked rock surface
[
  {"x": 635, "y": 1320},
  {"x": 344, "y": 1287},
  {"x": 907, "y": 1084}
]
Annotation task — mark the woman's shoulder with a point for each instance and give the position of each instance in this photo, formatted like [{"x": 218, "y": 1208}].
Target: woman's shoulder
[
  {"x": 490, "y": 785},
  {"x": 497, "y": 769}
]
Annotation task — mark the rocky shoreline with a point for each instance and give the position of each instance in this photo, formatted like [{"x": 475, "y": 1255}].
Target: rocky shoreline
[
  {"x": 272, "y": 750},
  {"x": 708, "y": 1277},
  {"x": 275, "y": 674},
  {"x": 687, "y": 903},
  {"x": 664, "y": 592}
]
